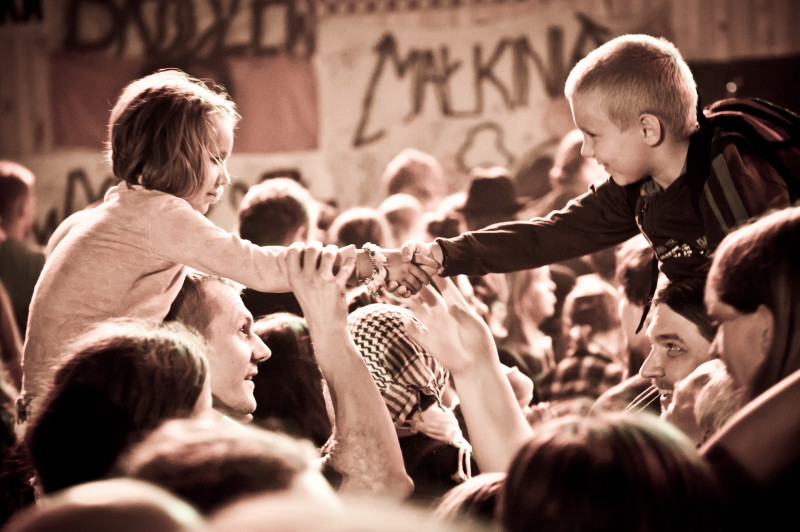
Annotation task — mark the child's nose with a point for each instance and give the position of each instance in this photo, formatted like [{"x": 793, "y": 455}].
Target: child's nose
[
  {"x": 224, "y": 177},
  {"x": 586, "y": 149}
]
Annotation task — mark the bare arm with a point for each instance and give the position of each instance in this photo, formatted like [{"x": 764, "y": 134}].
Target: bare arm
[
  {"x": 366, "y": 451},
  {"x": 462, "y": 342}
]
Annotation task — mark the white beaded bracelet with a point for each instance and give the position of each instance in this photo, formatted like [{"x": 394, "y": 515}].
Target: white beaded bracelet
[{"x": 377, "y": 259}]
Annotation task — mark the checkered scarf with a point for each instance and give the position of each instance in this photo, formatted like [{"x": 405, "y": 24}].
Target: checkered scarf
[{"x": 402, "y": 369}]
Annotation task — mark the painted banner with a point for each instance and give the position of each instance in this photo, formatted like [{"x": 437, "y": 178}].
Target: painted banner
[{"x": 472, "y": 85}]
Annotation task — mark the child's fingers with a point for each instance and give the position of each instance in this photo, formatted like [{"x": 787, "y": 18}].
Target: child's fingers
[
  {"x": 430, "y": 272},
  {"x": 424, "y": 260},
  {"x": 419, "y": 275},
  {"x": 408, "y": 250},
  {"x": 411, "y": 282}
]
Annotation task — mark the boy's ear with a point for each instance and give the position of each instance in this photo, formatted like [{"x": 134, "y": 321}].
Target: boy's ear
[{"x": 651, "y": 129}]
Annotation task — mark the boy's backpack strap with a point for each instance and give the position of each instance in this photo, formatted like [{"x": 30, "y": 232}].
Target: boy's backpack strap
[
  {"x": 730, "y": 210},
  {"x": 769, "y": 129}
]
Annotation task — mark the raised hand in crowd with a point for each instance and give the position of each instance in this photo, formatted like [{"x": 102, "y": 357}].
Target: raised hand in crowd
[
  {"x": 364, "y": 446},
  {"x": 462, "y": 342}
]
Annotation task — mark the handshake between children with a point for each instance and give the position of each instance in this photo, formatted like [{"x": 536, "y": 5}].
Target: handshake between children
[{"x": 403, "y": 272}]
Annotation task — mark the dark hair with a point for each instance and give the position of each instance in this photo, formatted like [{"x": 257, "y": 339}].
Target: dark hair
[
  {"x": 414, "y": 172},
  {"x": 124, "y": 504},
  {"x": 12, "y": 189},
  {"x": 282, "y": 173},
  {"x": 756, "y": 265},
  {"x": 403, "y": 213},
  {"x": 193, "y": 307},
  {"x": 161, "y": 132},
  {"x": 124, "y": 380},
  {"x": 609, "y": 472},
  {"x": 685, "y": 297},
  {"x": 474, "y": 498},
  {"x": 272, "y": 211},
  {"x": 634, "y": 269},
  {"x": 358, "y": 226},
  {"x": 591, "y": 303},
  {"x": 210, "y": 462},
  {"x": 288, "y": 386}
]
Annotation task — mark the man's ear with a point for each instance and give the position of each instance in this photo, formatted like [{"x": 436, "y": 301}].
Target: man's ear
[
  {"x": 652, "y": 131},
  {"x": 766, "y": 329}
]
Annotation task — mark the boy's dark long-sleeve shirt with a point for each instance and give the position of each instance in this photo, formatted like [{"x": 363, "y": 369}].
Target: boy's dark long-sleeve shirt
[{"x": 723, "y": 185}]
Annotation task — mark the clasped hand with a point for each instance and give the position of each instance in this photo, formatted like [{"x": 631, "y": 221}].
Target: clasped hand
[{"x": 410, "y": 268}]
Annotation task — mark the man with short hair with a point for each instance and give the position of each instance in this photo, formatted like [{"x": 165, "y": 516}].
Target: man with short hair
[
  {"x": 681, "y": 334},
  {"x": 634, "y": 269},
  {"x": 213, "y": 306},
  {"x": 363, "y": 448},
  {"x": 275, "y": 212}
]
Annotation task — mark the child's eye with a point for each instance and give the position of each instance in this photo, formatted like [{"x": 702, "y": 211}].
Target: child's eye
[{"x": 245, "y": 330}]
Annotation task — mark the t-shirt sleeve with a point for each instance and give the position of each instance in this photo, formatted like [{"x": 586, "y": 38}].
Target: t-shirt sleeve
[{"x": 602, "y": 217}]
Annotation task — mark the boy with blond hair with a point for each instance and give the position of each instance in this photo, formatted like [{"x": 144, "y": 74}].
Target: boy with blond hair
[{"x": 676, "y": 175}]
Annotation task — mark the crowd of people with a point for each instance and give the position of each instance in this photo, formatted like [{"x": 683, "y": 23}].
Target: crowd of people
[{"x": 621, "y": 352}]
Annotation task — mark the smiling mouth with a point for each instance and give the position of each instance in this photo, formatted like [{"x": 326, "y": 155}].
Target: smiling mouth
[{"x": 666, "y": 398}]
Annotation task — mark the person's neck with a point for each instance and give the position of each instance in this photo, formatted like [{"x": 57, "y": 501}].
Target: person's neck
[{"x": 671, "y": 162}]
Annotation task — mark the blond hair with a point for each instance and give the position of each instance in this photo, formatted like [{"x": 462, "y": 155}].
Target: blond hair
[
  {"x": 635, "y": 74},
  {"x": 161, "y": 131}
]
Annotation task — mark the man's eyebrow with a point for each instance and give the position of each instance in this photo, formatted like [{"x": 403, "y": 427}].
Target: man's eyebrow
[{"x": 669, "y": 336}]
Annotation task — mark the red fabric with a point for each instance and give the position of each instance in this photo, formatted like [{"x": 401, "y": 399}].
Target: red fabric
[
  {"x": 277, "y": 98},
  {"x": 83, "y": 88}
]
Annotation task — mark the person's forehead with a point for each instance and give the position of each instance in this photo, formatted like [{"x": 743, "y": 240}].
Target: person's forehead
[
  {"x": 228, "y": 303},
  {"x": 588, "y": 105},
  {"x": 668, "y": 322},
  {"x": 224, "y": 133}
]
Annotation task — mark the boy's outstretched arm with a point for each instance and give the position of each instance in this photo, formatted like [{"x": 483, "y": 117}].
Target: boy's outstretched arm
[
  {"x": 601, "y": 218},
  {"x": 365, "y": 449},
  {"x": 462, "y": 342}
]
